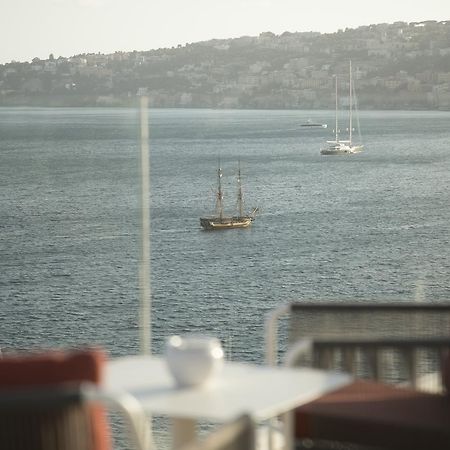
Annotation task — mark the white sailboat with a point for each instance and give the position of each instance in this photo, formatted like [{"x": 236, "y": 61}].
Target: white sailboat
[{"x": 347, "y": 146}]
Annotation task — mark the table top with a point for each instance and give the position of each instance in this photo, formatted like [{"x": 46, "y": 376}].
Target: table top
[{"x": 261, "y": 391}]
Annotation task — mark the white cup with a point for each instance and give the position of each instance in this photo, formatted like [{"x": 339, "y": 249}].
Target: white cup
[{"x": 193, "y": 360}]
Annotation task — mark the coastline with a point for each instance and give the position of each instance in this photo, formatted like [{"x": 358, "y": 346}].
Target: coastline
[{"x": 61, "y": 101}]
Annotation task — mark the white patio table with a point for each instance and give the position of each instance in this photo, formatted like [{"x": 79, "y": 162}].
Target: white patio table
[{"x": 261, "y": 391}]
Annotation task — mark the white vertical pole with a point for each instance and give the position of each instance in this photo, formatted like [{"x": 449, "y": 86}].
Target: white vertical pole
[
  {"x": 350, "y": 107},
  {"x": 144, "y": 269}
]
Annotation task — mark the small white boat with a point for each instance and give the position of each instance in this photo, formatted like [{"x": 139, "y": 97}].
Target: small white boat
[{"x": 310, "y": 123}]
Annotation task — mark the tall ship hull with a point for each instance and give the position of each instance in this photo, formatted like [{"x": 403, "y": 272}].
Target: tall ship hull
[{"x": 216, "y": 223}]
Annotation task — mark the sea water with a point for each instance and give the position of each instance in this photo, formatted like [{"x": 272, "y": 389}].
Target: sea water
[{"x": 367, "y": 227}]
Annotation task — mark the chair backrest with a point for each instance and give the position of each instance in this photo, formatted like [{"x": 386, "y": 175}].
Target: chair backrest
[
  {"x": 42, "y": 406},
  {"x": 238, "y": 434},
  {"x": 45, "y": 419},
  {"x": 395, "y": 343}
]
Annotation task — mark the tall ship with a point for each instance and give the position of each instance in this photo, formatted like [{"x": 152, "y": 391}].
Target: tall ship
[
  {"x": 348, "y": 146},
  {"x": 222, "y": 222}
]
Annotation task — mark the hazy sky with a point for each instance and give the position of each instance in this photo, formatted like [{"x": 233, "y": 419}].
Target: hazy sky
[{"x": 30, "y": 28}]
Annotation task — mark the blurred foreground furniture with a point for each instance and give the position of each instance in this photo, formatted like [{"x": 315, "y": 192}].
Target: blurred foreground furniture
[
  {"x": 260, "y": 391},
  {"x": 54, "y": 401},
  {"x": 398, "y": 354},
  {"x": 238, "y": 434}
]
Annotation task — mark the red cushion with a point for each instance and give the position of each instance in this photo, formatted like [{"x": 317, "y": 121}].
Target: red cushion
[
  {"x": 59, "y": 367},
  {"x": 376, "y": 414},
  {"x": 53, "y": 367}
]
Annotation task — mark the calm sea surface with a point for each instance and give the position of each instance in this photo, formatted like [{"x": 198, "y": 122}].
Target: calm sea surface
[{"x": 373, "y": 226}]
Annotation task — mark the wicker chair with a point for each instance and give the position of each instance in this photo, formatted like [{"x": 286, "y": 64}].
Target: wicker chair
[{"x": 394, "y": 351}]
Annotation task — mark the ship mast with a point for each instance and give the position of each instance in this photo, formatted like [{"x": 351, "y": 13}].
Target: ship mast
[
  {"x": 219, "y": 195},
  {"x": 240, "y": 196},
  {"x": 336, "y": 119}
]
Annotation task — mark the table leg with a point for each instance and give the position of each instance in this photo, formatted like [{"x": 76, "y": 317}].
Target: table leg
[
  {"x": 288, "y": 430},
  {"x": 183, "y": 431}
]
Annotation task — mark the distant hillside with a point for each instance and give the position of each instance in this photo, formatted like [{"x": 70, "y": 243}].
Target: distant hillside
[{"x": 396, "y": 66}]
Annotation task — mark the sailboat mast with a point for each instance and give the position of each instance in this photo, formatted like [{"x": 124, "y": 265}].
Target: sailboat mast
[
  {"x": 336, "y": 113},
  {"x": 350, "y": 126},
  {"x": 240, "y": 197},
  {"x": 219, "y": 200}
]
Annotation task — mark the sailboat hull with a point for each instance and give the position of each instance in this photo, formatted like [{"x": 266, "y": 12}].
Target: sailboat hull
[
  {"x": 225, "y": 223},
  {"x": 342, "y": 150}
]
